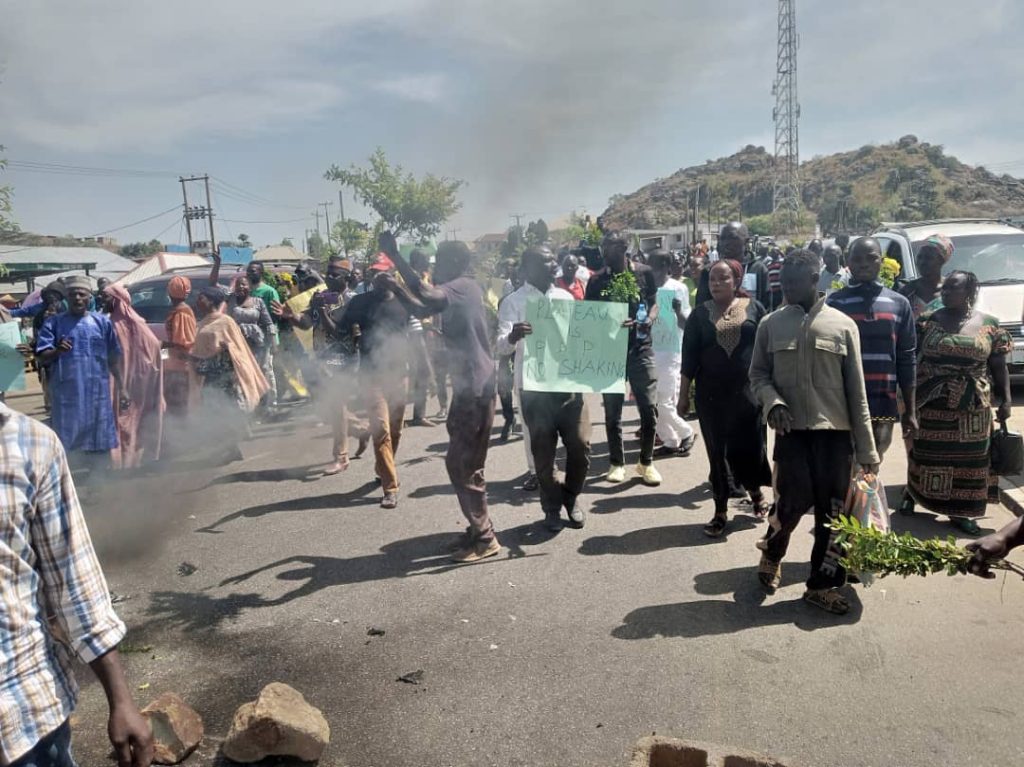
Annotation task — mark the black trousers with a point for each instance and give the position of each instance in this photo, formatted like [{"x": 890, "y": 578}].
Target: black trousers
[
  {"x": 420, "y": 374},
  {"x": 548, "y": 416},
  {"x": 735, "y": 440},
  {"x": 812, "y": 470},
  {"x": 505, "y": 383},
  {"x": 644, "y": 382}
]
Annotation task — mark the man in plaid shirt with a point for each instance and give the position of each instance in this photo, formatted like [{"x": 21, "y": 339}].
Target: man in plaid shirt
[{"x": 53, "y": 603}]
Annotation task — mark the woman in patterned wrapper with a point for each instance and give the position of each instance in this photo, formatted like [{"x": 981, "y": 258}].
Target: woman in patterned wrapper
[
  {"x": 961, "y": 373},
  {"x": 717, "y": 346}
]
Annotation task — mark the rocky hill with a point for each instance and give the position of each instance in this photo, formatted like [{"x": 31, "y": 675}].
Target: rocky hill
[{"x": 904, "y": 181}]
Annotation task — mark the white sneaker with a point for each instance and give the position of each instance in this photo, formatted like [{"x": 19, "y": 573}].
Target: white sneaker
[
  {"x": 616, "y": 474},
  {"x": 648, "y": 474}
]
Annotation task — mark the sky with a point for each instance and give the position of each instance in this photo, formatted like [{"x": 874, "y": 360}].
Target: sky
[{"x": 540, "y": 106}]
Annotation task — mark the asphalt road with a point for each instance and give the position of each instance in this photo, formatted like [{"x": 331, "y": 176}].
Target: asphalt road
[{"x": 564, "y": 650}]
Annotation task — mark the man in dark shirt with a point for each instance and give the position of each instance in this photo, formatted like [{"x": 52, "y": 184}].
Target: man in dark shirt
[
  {"x": 639, "y": 361},
  {"x": 460, "y": 300},
  {"x": 732, "y": 244},
  {"x": 382, "y": 318}
]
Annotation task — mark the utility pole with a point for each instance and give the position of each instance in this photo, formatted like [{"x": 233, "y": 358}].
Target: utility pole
[
  {"x": 316, "y": 212},
  {"x": 341, "y": 205},
  {"x": 327, "y": 219},
  {"x": 188, "y": 221},
  {"x": 519, "y": 219},
  {"x": 198, "y": 212},
  {"x": 786, "y": 189},
  {"x": 696, "y": 211}
]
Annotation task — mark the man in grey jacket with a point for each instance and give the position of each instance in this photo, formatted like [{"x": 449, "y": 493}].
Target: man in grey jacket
[{"x": 806, "y": 373}]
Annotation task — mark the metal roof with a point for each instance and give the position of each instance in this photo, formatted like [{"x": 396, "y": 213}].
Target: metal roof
[
  {"x": 160, "y": 263},
  {"x": 25, "y": 262}
]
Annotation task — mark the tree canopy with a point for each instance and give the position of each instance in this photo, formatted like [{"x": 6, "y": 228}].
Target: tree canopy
[
  {"x": 7, "y": 223},
  {"x": 350, "y": 236},
  {"x": 405, "y": 204},
  {"x": 140, "y": 250}
]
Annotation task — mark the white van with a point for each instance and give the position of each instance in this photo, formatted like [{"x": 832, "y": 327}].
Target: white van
[{"x": 992, "y": 249}]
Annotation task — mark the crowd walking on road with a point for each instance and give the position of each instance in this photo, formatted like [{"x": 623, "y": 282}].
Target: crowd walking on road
[{"x": 807, "y": 343}]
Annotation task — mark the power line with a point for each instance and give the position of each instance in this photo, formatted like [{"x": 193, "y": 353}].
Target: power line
[
  {"x": 136, "y": 223},
  {"x": 33, "y": 166},
  {"x": 283, "y": 221},
  {"x": 165, "y": 231},
  {"x": 232, "y": 189}
]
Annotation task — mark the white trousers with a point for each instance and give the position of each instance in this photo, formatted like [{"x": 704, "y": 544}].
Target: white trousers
[
  {"x": 672, "y": 429},
  {"x": 518, "y": 402}
]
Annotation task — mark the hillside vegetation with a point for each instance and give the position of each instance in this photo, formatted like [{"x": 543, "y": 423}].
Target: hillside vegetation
[{"x": 849, "y": 191}]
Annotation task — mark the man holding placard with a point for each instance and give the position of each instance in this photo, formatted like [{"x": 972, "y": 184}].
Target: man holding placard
[
  {"x": 632, "y": 285},
  {"x": 676, "y": 434},
  {"x": 547, "y": 415}
]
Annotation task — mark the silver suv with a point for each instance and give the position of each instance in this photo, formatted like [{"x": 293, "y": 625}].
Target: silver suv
[{"x": 992, "y": 249}]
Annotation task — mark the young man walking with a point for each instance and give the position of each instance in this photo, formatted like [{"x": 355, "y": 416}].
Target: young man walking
[
  {"x": 639, "y": 358},
  {"x": 888, "y": 341},
  {"x": 547, "y": 415},
  {"x": 380, "y": 321},
  {"x": 460, "y": 300},
  {"x": 56, "y": 604},
  {"x": 677, "y": 436},
  {"x": 806, "y": 373}
]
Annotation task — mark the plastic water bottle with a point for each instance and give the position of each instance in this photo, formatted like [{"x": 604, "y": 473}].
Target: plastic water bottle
[{"x": 641, "y": 318}]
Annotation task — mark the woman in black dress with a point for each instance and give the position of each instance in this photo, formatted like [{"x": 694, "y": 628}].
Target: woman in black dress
[{"x": 717, "y": 345}]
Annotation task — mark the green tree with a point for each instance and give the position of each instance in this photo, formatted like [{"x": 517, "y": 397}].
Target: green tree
[
  {"x": 536, "y": 232},
  {"x": 514, "y": 245},
  {"x": 350, "y": 236},
  {"x": 244, "y": 241},
  {"x": 141, "y": 250},
  {"x": 287, "y": 242},
  {"x": 7, "y": 224},
  {"x": 315, "y": 247},
  {"x": 406, "y": 205}
]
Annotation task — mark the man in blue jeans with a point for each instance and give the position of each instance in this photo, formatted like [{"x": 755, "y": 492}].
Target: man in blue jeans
[{"x": 55, "y": 604}]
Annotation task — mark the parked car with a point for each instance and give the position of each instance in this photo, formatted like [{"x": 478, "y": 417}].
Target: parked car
[
  {"x": 993, "y": 250},
  {"x": 150, "y": 299}
]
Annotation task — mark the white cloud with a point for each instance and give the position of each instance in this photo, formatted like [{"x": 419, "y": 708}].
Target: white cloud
[{"x": 427, "y": 88}]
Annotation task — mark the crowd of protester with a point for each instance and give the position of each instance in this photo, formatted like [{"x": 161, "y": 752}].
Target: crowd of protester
[{"x": 806, "y": 341}]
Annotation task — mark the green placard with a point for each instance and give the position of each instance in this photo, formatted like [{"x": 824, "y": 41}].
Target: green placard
[
  {"x": 665, "y": 333},
  {"x": 575, "y": 346},
  {"x": 12, "y": 364}
]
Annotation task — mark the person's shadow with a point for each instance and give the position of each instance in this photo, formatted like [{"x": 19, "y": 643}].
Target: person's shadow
[{"x": 745, "y": 611}]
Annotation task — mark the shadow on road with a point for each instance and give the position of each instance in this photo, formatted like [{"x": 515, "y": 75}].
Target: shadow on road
[
  {"x": 715, "y": 617},
  {"x": 693, "y": 498},
  {"x": 306, "y": 473},
  {"x": 509, "y": 491},
  {"x": 421, "y": 555},
  {"x": 652, "y": 539},
  {"x": 740, "y": 580},
  {"x": 353, "y": 497}
]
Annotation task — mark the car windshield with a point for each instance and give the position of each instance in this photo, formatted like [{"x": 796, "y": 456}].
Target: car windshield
[
  {"x": 150, "y": 300},
  {"x": 992, "y": 257}
]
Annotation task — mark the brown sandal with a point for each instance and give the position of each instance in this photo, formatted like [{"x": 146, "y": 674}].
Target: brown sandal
[
  {"x": 770, "y": 574},
  {"x": 829, "y": 600}
]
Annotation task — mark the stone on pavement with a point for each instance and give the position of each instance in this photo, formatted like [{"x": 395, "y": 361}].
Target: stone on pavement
[
  {"x": 177, "y": 729},
  {"x": 657, "y": 751},
  {"x": 278, "y": 723}
]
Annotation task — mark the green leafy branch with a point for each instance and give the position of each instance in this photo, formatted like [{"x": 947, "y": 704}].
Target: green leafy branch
[
  {"x": 622, "y": 288},
  {"x": 869, "y": 550}
]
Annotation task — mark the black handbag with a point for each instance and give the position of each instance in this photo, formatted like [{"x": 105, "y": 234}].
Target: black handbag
[{"x": 1007, "y": 453}]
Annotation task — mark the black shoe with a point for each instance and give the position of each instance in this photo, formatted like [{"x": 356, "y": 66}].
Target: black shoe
[
  {"x": 577, "y": 515},
  {"x": 688, "y": 443},
  {"x": 531, "y": 483},
  {"x": 506, "y": 430},
  {"x": 553, "y": 521}
]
